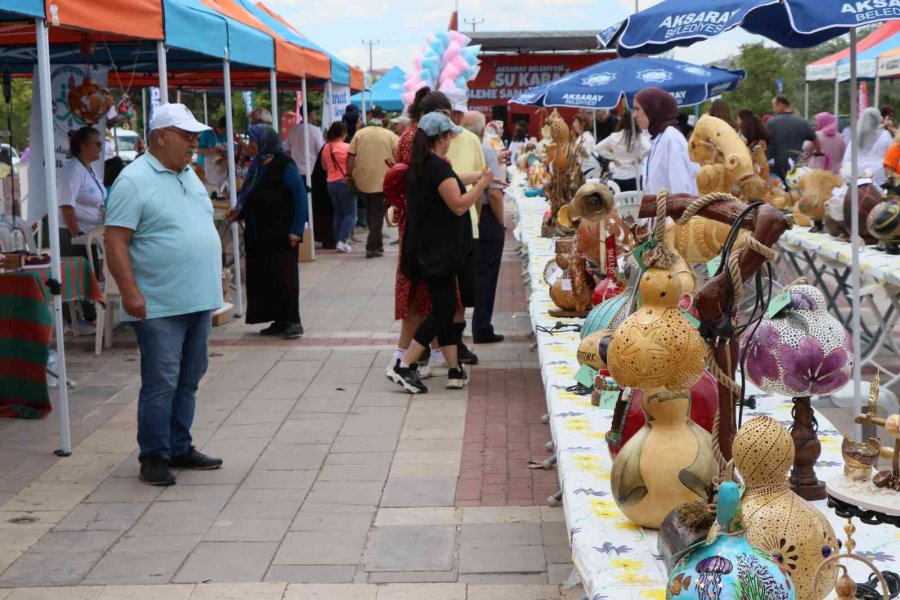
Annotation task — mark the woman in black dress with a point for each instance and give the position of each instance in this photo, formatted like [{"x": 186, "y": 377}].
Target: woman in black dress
[
  {"x": 436, "y": 242},
  {"x": 273, "y": 205}
]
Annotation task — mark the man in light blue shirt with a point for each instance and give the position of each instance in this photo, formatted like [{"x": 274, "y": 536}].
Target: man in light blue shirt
[{"x": 165, "y": 255}]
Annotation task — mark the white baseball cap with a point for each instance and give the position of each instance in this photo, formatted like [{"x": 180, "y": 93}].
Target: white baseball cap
[
  {"x": 176, "y": 115},
  {"x": 458, "y": 99}
]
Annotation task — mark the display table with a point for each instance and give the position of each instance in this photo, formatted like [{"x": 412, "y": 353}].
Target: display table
[
  {"x": 615, "y": 558},
  {"x": 26, "y": 326},
  {"x": 817, "y": 255},
  {"x": 862, "y": 500}
]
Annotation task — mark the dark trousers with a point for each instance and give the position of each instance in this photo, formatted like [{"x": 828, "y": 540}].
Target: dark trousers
[
  {"x": 374, "y": 204},
  {"x": 439, "y": 322},
  {"x": 626, "y": 185},
  {"x": 491, "y": 237}
]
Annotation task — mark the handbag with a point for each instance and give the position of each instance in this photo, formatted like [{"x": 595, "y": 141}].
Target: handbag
[{"x": 349, "y": 178}]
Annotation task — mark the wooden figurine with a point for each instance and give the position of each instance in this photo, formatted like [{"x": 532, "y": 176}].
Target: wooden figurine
[{"x": 778, "y": 520}]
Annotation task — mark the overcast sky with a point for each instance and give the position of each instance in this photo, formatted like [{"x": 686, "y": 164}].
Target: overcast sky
[{"x": 340, "y": 26}]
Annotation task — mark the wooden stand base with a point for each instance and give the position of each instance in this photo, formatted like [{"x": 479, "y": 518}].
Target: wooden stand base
[{"x": 807, "y": 450}]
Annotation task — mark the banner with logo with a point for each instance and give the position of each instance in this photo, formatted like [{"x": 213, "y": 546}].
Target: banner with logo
[
  {"x": 63, "y": 78},
  {"x": 335, "y": 104},
  {"x": 154, "y": 102}
]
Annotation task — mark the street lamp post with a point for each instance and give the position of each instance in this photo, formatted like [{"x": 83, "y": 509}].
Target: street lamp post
[
  {"x": 473, "y": 22},
  {"x": 370, "y": 44}
]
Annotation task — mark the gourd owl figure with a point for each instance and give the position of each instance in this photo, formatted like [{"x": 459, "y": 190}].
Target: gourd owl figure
[
  {"x": 727, "y": 566},
  {"x": 779, "y": 521},
  {"x": 670, "y": 460}
]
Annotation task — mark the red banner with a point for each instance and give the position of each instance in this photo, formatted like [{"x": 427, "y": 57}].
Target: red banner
[{"x": 503, "y": 76}]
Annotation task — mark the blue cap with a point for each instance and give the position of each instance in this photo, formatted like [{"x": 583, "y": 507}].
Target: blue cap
[{"x": 435, "y": 123}]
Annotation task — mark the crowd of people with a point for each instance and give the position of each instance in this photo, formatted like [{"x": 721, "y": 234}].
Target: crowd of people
[{"x": 445, "y": 167}]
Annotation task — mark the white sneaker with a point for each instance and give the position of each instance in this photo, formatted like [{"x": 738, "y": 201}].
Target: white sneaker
[
  {"x": 344, "y": 247},
  {"x": 425, "y": 370},
  {"x": 438, "y": 368}
]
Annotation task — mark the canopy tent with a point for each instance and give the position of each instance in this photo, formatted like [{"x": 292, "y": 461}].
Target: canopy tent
[
  {"x": 341, "y": 72},
  {"x": 791, "y": 23},
  {"x": 889, "y": 64},
  {"x": 604, "y": 85},
  {"x": 386, "y": 92},
  {"x": 885, "y": 38}
]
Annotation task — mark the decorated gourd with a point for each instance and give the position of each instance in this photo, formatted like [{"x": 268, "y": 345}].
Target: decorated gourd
[
  {"x": 700, "y": 239},
  {"x": 802, "y": 351},
  {"x": 606, "y": 315},
  {"x": 779, "y": 521},
  {"x": 88, "y": 101},
  {"x": 726, "y": 162},
  {"x": 727, "y": 566},
  {"x": 588, "y": 350},
  {"x": 869, "y": 198},
  {"x": 670, "y": 460},
  {"x": 816, "y": 187},
  {"x": 884, "y": 224}
]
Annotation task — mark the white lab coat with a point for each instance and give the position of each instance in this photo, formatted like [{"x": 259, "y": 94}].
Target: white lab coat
[
  {"x": 626, "y": 164},
  {"x": 669, "y": 166}
]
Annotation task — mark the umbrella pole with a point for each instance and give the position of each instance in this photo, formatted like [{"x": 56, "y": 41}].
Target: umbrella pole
[
  {"x": 855, "y": 240},
  {"x": 144, "y": 112},
  {"x": 837, "y": 97},
  {"x": 163, "y": 73},
  {"x": 306, "y": 124},
  {"x": 49, "y": 159},
  {"x": 273, "y": 91},
  {"x": 636, "y": 149},
  {"x": 877, "y": 86},
  {"x": 232, "y": 185},
  {"x": 806, "y": 100}
]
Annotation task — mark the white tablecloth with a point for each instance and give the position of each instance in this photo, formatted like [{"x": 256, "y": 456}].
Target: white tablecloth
[{"x": 614, "y": 557}]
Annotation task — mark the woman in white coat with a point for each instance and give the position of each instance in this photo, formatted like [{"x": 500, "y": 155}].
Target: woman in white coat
[
  {"x": 668, "y": 165},
  {"x": 874, "y": 141}
]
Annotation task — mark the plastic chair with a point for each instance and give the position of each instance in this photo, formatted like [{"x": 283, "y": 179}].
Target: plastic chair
[
  {"x": 629, "y": 204},
  {"x": 94, "y": 240}
]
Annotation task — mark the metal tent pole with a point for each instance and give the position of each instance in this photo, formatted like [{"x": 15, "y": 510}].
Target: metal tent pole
[
  {"x": 806, "y": 100},
  {"x": 855, "y": 241},
  {"x": 837, "y": 96},
  {"x": 232, "y": 185},
  {"x": 163, "y": 73},
  {"x": 306, "y": 123},
  {"x": 178, "y": 95},
  {"x": 205, "y": 110},
  {"x": 144, "y": 112},
  {"x": 273, "y": 91},
  {"x": 49, "y": 159}
]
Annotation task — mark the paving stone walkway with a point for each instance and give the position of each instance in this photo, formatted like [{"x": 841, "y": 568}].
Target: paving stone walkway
[{"x": 335, "y": 485}]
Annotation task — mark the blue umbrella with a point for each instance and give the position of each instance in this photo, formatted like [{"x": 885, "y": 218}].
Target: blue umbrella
[
  {"x": 790, "y": 23},
  {"x": 604, "y": 84}
]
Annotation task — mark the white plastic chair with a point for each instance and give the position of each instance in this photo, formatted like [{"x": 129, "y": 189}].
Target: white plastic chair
[
  {"x": 94, "y": 240},
  {"x": 629, "y": 204}
]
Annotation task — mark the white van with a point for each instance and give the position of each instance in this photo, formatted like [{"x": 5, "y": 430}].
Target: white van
[{"x": 125, "y": 144}]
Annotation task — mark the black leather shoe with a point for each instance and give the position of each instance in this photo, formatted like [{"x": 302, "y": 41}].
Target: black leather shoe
[
  {"x": 293, "y": 331},
  {"x": 491, "y": 338},
  {"x": 155, "y": 471},
  {"x": 276, "y": 328},
  {"x": 194, "y": 459},
  {"x": 466, "y": 356}
]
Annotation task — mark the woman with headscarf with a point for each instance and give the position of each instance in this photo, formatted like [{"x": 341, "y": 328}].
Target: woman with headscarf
[
  {"x": 273, "y": 205},
  {"x": 668, "y": 165},
  {"x": 831, "y": 144},
  {"x": 874, "y": 142}
]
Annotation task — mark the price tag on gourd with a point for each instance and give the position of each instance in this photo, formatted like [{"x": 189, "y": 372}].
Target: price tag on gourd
[
  {"x": 691, "y": 319},
  {"x": 779, "y": 302},
  {"x": 608, "y": 400},
  {"x": 713, "y": 266},
  {"x": 639, "y": 252},
  {"x": 566, "y": 285},
  {"x": 586, "y": 376},
  {"x": 555, "y": 275}
]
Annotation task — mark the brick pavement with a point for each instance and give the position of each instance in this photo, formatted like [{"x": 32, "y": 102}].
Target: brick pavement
[{"x": 335, "y": 483}]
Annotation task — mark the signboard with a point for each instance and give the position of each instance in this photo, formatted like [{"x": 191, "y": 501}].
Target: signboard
[
  {"x": 62, "y": 79},
  {"x": 335, "y": 103},
  {"x": 503, "y": 76}
]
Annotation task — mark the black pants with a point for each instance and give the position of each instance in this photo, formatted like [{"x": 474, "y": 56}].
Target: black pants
[
  {"x": 491, "y": 237},
  {"x": 439, "y": 322},
  {"x": 374, "y": 204},
  {"x": 467, "y": 278},
  {"x": 626, "y": 185}
]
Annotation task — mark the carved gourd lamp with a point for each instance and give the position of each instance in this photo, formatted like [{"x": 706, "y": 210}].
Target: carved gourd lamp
[
  {"x": 727, "y": 565},
  {"x": 778, "y": 520},
  {"x": 670, "y": 460},
  {"x": 883, "y": 224},
  {"x": 800, "y": 352}
]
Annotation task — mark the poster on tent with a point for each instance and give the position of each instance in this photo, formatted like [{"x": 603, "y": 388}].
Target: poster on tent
[
  {"x": 335, "y": 104},
  {"x": 62, "y": 79}
]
